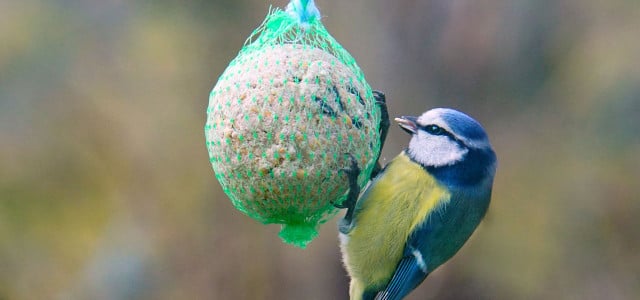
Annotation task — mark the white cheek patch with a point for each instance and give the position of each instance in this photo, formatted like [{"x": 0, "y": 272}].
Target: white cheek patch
[{"x": 435, "y": 150}]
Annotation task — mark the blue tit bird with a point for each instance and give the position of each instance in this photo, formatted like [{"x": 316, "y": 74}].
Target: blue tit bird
[{"x": 420, "y": 209}]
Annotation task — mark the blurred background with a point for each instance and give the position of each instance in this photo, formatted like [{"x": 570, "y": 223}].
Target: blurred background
[{"x": 106, "y": 191}]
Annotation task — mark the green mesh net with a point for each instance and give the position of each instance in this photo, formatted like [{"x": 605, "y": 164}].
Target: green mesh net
[{"x": 282, "y": 118}]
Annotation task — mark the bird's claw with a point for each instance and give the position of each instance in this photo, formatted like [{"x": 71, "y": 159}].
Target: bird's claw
[
  {"x": 352, "y": 172},
  {"x": 381, "y": 102}
]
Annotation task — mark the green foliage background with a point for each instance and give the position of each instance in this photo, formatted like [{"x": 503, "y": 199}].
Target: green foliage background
[{"x": 106, "y": 191}]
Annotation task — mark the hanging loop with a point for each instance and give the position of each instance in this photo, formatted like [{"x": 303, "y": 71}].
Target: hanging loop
[{"x": 304, "y": 11}]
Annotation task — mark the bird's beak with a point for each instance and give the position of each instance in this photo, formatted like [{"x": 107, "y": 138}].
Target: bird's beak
[{"x": 408, "y": 124}]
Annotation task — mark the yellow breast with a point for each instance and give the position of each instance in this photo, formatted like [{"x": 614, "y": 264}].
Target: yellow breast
[{"x": 390, "y": 209}]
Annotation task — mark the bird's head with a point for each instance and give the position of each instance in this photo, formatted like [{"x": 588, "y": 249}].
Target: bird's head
[{"x": 445, "y": 137}]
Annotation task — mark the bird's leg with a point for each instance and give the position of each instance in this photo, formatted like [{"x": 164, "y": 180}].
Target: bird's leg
[
  {"x": 353, "y": 171},
  {"x": 381, "y": 101}
]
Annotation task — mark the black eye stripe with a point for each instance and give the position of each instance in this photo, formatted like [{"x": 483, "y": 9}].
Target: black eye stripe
[{"x": 433, "y": 129}]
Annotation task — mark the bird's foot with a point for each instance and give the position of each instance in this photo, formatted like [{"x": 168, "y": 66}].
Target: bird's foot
[
  {"x": 352, "y": 172},
  {"x": 381, "y": 101}
]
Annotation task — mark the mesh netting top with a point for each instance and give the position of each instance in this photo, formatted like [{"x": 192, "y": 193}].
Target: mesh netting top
[{"x": 282, "y": 118}]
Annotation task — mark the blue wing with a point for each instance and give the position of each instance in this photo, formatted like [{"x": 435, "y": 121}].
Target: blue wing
[
  {"x": 433, "y": 242},
  {"x": 408, "y": 275},
  {"x": 412, "y": 268}
]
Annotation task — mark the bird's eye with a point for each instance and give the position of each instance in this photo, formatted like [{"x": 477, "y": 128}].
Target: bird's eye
[{"x": 434, "y": 130}]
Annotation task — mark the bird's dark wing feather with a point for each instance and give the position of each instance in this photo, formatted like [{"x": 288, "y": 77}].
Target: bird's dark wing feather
[{"x": 407, "y": 276}]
